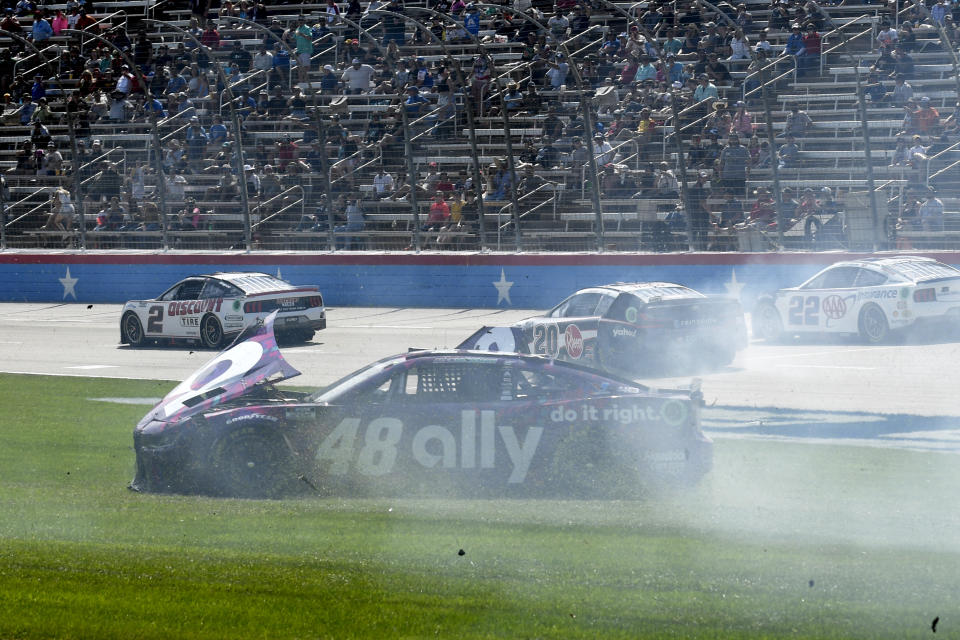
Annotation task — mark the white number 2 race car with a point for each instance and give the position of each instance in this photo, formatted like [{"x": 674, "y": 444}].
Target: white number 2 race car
[
  {"x": 213, "y": 309},
  {"x": 867, "y": 297}
]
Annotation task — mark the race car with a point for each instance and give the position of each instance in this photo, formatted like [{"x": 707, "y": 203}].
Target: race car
[
  {"x": 629, "y": 328},
  {"x": 421, "y": 423},
  {"x": 213, "y": 309},
  {"x": 870, "y": 297}
]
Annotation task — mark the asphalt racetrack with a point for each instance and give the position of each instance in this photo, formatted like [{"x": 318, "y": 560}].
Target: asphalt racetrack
[{"x": 815, "y": 390}]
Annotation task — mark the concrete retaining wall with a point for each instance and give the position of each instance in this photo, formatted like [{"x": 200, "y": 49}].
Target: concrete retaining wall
[{"x": 524, "y": 281}]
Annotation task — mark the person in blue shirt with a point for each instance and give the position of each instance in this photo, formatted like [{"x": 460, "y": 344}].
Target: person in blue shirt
[
  {"x": 177, "y": 82},
  {"x": 39, "y": 90},
  {"x": 218, "y": 131},
  {"x": 471, "y": 20},
  {"x": 795, "y": 46},
  {"x": 281, "y": 62},
  {"x": 414, "y": 104},
  {"x": 41, "y": 29},
  {"x": 197, "y": 140}
]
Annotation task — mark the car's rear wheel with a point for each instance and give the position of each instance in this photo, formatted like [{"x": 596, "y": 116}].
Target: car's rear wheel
[
  {"x": 131, "y": 329},
  {"x": 253, "y": 461},
  {"x": 873, "y": 324},
  {"x": 211, "y": 332},
  {"x": 767, "y": 324}
]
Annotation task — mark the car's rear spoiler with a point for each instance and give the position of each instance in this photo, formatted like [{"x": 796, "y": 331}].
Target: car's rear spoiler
[{"x": 505, "y": 339}]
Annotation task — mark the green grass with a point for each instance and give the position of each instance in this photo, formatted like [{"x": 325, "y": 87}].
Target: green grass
[{"x": 781, "y": 540}]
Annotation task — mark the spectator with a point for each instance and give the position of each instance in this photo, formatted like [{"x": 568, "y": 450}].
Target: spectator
[
  {"x": 763, "y": 213},
  {"x": 329, "y": 80},
  {"x": 197, "y": 140},
  {"x": 794, "y": 47},
  {"x": 887, "y": 38},
  {"x": 901, "y": 154},
  {"x": 41, "y": 29},
  {"x": 383, "y": 184},
  {"x": 355, "y": 222},
  {"x": 811, "y": 51},
  {"x": 931, "y": 212},
  {"x": 927, "y": 119},
  {"x": 938, "y": 12},
  {"x": 558, "y": 70},
  {"x": 731, "y": 211},
  {"x": 263, "y": 60},
  {"x": 797, "y": 123},
  {"x": 357, "y": 77},
  {"x": 734, "y": 165},
  {"x": 240, "y": 57},
  {"x": 903, "y": 61},
  {"x": 902, "y": 91},
  {"x": 439, "y": 214},
  {"x": 788, "y": 156},
  {"x": 269, "y": 183},
  {"x": 698, "y": 210},
  {"x": 304, "y": 48},
  {"x": 665, "y": 183},
  {"x": 742, "y": 121}
]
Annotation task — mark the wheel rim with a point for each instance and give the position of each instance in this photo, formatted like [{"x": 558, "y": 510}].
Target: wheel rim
[
  {"x": 211, "y": 332},
  {"x": 132, "y": 327},
  {"x": 873, "y": 323}
]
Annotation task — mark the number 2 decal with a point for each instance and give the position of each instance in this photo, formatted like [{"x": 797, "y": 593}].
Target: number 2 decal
[
  {"x": 546, "y": 340},
  {"x": 155, "y": 319},
  {"x": 804, "y": 311}
]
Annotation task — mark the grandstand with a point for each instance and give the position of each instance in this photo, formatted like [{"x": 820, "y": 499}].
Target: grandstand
[{"x": 585, "y": 125}]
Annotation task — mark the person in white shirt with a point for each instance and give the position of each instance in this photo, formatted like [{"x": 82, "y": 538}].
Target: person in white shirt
[
  {"x": 357, "y": 77},
  {"x": 263, "y": 60},
  {"x": 383, "y": 184},
  {"x": 602, "y": 150}
]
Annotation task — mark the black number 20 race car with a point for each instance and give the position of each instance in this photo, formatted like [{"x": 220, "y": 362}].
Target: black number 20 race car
[
  {"x": 422, "y": 423},
  {"x": 633, "y": 328}
]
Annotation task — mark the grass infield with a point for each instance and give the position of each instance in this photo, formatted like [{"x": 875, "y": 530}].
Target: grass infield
[{"x": 781, "y": 540}]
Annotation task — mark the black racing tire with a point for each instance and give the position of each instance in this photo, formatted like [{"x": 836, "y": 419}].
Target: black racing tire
[
  {"x": 873, "y": 325},
  {"x": 131, "y": 329},
  {"x": 253, "y": 461},
  {"x": 766, "y": 323},
  {"x": 211, "y": 332}
]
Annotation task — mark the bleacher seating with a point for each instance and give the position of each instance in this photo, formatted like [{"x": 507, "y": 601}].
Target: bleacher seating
[{"x": 636, "y": 217}]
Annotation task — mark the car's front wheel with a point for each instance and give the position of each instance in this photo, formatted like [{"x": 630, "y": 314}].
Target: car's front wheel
[
  {"x": 211, "y": 332},
  {"x": 767, "y": 324},
  {"x": 131, "y": 329},
  {"x": 873, "y": 324},
  {"x": 253, "y": 461}
]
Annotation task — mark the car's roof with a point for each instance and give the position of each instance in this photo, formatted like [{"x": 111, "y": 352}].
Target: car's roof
[
  {"x": 467, "y": 356},
  {"x": 649, "y": 290},
  {"x": 251, "y": 281},
  {"x": 915, "y": 268}
]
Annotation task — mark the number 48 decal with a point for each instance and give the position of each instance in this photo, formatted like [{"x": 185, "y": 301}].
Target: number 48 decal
[{"x": 803, "y": 310}]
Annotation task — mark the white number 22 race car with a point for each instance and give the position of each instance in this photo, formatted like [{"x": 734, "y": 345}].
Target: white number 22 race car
[
  {"x": 867, "y": 297},
  {"x": 212, "y": 309}
]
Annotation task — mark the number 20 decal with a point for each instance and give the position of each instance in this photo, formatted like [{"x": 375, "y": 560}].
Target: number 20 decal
[
  {"x": 804, "y": 311},
  {"x": 546, "y": 340}
]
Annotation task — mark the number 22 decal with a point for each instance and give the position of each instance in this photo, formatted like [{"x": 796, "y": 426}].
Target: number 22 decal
[{"x": 804, "y": 311}]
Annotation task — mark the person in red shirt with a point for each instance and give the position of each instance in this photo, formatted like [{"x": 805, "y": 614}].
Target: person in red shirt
[
  {"x": 439, "y": 213},
  {"x": 811, "y": 51},
  {"x": 926, "y": 119},
  {"x": 444, "y": 184}
]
